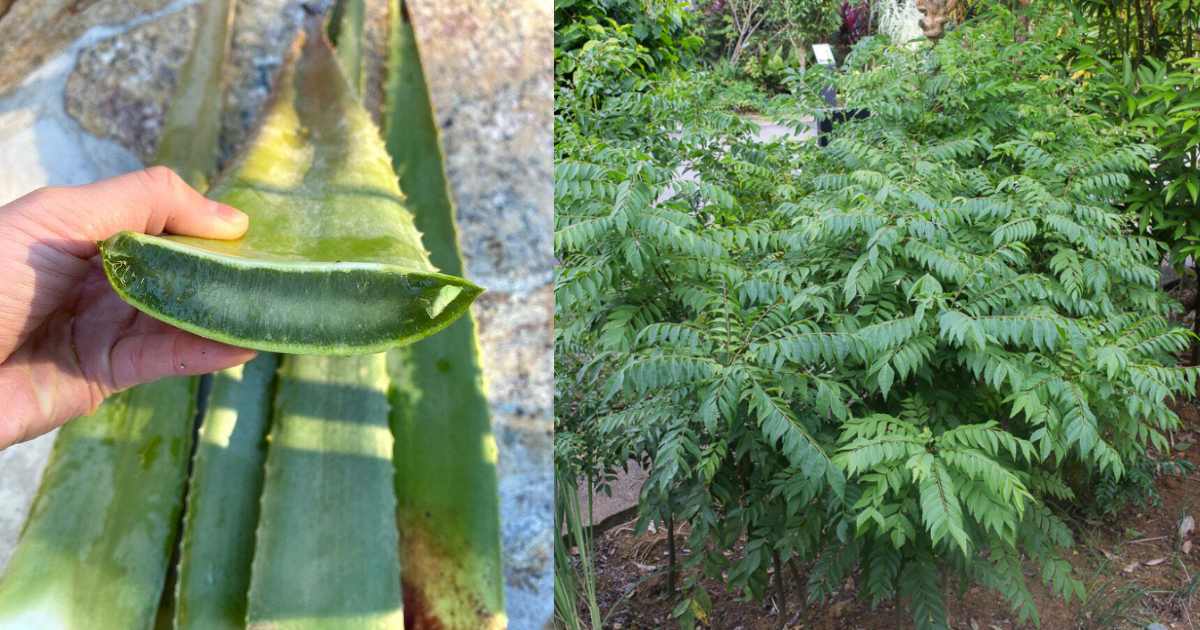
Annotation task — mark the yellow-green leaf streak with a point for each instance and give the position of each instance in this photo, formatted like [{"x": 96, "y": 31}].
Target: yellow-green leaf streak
[
  {"x": 222, "y": 507},
  {"x": 332, "y": 262},
  {"x": 445, "y": 453},
  {"x": 326, "y": 553},
  {"x": 95, "y": 549}
]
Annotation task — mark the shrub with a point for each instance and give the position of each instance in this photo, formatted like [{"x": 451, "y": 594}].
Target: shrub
[{"x": 892, "y": 356}]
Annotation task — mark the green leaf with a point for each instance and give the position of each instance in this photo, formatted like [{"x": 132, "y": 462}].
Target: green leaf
[
  {"x": 346, "y": 33},
  {"x": 445, "y": 482},
  {"x": 885, "y": 377},
  {"x": 95, "y": 549},
  {"x": 217, "y": 546},
  {"x": 331, "y": 264},
  {"x": 192, "y": 123},
  {"x": 940, "y": 507},
  {"x": 326, "y": 553},
  {"x": 920, "y": 584}
]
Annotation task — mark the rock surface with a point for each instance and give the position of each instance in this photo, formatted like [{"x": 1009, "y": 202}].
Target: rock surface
[
  {"x": 121, "y": 86},
  {"x": 490, "y": 64},
  {"x": 33, "y": 31}
]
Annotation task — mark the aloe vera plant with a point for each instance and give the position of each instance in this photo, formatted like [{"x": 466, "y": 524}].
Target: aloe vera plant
[
  {"x": 446, "y": 487},
  {"x": 331, "y": 263},
  {"x": 326, "y": 549},
  {"x": 346, "y": 29},
  {"x": 93, "y": 553},
  {"x": 192, "y": 123},
  {"x": 217, "y": 545},
  {"x": 254, "y": 550}
]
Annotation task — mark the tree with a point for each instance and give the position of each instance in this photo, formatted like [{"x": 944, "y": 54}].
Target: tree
[{"x": 886, "y": 356}]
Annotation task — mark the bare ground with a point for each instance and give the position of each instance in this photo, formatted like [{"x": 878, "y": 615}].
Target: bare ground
[{"x": 1137, "y": 569}]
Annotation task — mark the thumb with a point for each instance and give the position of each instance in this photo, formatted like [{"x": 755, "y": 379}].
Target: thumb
[{"x": 150, "y": 201}]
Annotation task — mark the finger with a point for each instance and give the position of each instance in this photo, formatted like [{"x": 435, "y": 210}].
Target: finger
[
  {"x": 151, "y": 201},
  {"x": 149, "y": 356}
]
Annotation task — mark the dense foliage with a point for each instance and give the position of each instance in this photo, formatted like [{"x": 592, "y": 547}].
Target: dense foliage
[
  {"x": 894, "y": 355},
  {"x": 1139, "y": 60},
  {"x": 659, "y": 33}
]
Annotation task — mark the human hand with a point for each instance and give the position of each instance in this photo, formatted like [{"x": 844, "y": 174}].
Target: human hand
[{"x": 66, "y": 340}]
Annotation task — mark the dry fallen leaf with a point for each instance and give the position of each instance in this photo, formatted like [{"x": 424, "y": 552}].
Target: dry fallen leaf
[
  {"x": 1155, "y": 562},
  {"x": 1187, "y": 546}
]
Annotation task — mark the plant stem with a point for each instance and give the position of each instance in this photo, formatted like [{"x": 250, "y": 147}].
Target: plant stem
[
  {"x": 670, "y": 550},
  {"x": 780, "y": 590}
]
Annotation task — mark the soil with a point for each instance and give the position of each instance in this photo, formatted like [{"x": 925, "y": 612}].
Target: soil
[{"x": 1137, "y": 569}]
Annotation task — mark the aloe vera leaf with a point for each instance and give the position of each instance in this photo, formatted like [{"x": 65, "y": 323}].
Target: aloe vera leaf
[
  {"x": 332, "y": 262},
  {"x": 222, "y": 508},
  {"x": 346, "y": 32},
  {"x": 446, "y": 487},
  {"x": 95, "y": 549},
  {"x": 326, "y": 549},
  {"x": 192, "y": 124}
]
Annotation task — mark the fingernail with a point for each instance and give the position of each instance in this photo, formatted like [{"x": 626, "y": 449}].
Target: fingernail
[{"x": 229, "y": 214}]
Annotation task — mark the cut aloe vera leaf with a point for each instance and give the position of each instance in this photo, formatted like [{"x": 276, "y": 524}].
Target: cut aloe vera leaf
[
  {"x": 95, "y": 549},
  {"x": 192, "y": 124},
  {"x": 217, "y": 547},
  {"x": 331, "y": 264},
  {"x": 326, "y": 553},
  {"x": 445, "y": 455},
  {"x": 346, "y": 32}
]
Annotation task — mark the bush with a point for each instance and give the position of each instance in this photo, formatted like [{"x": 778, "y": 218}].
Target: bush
[
  {"x": 894, "y": 355},
  {"x": 662, "y": 30}
]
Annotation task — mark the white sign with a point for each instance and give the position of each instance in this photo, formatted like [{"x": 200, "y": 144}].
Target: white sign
[{"x": 824, "y": 54}]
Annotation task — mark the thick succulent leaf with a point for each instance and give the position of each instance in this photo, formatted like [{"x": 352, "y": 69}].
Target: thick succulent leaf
[
  {"x": 346, "y": 33},
  {"x": 445, "y": 457},
  {"x": 192, "y": 124},
  {"x": 98, "y": 541},
  {"x": 222, "y": 507},
  {"x": 331, "y": 264},
  {"x": 326, "y": 553},
  {"x": 96, "y": 547}
]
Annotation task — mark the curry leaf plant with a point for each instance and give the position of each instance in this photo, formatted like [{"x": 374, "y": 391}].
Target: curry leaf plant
[{"x": 895, "y": 355}]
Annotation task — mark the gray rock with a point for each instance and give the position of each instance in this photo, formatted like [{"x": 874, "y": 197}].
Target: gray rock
[
  {"x": 121, "y": 86},
  {"x": 33, "y": 32},
  {"x": 491, "y": 75}
]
